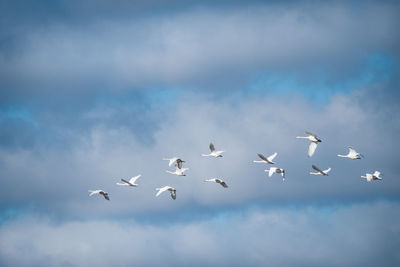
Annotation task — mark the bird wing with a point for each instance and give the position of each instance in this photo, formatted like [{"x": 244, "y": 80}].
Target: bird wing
[
  {"x": 262, "y": 157},
  {"x": 223, "y": 184},
  {"x": 327, "y": 170},
  {"x": 133, "y": 179},
  {"x": 271, "y": 158},
  {"x": 105, "y": 195},
  {"x": 376, "y": 173},
  {"x": 311, "y": 148},
  {"x": 271, "y": 171},
  {"x": 160, "y": 190},
  {"x": 93, "y": 192},
  {"x": 316, "y": 168},
  {"x": 212, "y": 148},
  {"x": 179, "y": 163},
  {"x": 311, "y": 134},
  {"x": 352, "y": 151},
  {"x": 173, "y": 194},
  {"x": 125, "y": 181}
]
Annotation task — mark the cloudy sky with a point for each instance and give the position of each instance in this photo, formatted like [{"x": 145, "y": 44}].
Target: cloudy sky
[{"x": 95, "y": 91}]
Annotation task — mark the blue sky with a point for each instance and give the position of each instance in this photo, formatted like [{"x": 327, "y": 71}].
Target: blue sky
[{"x": 91, "y": 92}]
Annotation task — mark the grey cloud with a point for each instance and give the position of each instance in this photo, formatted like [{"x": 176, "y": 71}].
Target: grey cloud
[
  {"x": 357, "y": 235},
  {"x": 196, "y": 47},
  {"x": 59, "y": 177}
]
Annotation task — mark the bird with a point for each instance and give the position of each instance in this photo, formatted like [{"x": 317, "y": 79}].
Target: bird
[
  {"x": 165, "y": 188},
  {"x": 174, "y": 159},
  {"x": 353, "y": 154},
  {"x": 216, "y": 180},
  {"x": 131, "y": 182},
  {"x": 319, "y": 172},
  {"x": 276, "y": 170},
  {"x": 266, "y": 160},
  {"x": 214, "y": 153},
  {"x": 374, "y": 176},
  {"x": 101, "y": 192},
  {"x": 178, "y": 171},
  {"x": 314, "y": 142}
]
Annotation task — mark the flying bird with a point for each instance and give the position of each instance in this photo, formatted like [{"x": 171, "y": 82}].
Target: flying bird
[
  {"x": 216, "y": 180},
  {"x": 174, "y": 159},
  {"x": 374, "y": 176},
  {"x": 179, "y": 171},
  {"x": 214, "y": 153},
  {"x": 314, "y": 142},
  {"x": 273, "y": 170},
  {"x": 167, "y": 188},
  {"x": 101, "y": 192},
  {"x": 319, "y": 172},
  {"x": 131, "y": 182},
  {"x": 268, "y": 160},
  {"x": 353, "y": 154}
]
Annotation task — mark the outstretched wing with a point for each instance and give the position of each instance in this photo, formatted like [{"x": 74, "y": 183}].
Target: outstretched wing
[
  {"x": 105, "y": 195},
  {"x": 160, "y": 190},
  {"x": 311, "y": 149},
  {"x": 173, "y": 194},
  {"x": 316, "y": 168},
  {"x": 212, "y": 148},
  {"x": 262, "y": 157},
  {"x": 271, "y": 158},
  {"x": 311, "y": 134},
  {"x": 327, "y": 170},
  {"x": 133, "y": 179},
  {"x": 223, "y": 184},
  {"x": 125, "y": 181},
  {"x": 376, "y": 173},
  {"x": 271, "y": 171},
  {"x": 179, "y": 163}
]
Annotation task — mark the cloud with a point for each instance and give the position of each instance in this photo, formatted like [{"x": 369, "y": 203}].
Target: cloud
[
  {"x": 341, "y": 236},
  {"x": 199, "y": 48},
  {"x": 60, "y": 175}
]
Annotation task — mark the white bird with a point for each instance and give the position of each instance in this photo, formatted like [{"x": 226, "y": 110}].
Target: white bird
[
  {"x": 273, "y": 170},
  {"x": 353, "y": 154},
  {"x": 314, "y": 142},
  {"x": 165, "y": 188},
  {"x": 179, "y": 171},
  {"x": 175, "y": 159},
  {"x": 214, "y": 153},
  {"x": 319, "y": 172},
  {"x": 216, "y": 180},
  {"x": 268, "y": 160},
  {"x": 370, "y": 177},
  {"x": 101, "y": 192},
  {"x": 131, "y": 182}
]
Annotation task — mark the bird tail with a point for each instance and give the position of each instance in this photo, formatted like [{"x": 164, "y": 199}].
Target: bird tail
[
  {"x": 204, "y": 155},
  {"x": 341, "y": 156}
]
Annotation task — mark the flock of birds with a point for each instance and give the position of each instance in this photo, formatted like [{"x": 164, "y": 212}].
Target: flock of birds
[{"x": 179, "y": 170}]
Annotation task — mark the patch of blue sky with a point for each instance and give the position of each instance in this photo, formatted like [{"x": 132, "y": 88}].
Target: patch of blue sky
[
  {"x": 378, "y": 67},
  {"x": 21, "y": 113}
]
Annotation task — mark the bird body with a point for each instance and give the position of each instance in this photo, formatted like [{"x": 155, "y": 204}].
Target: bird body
[
  {"x": 319, "y": 172},
  {"x": 374, "y": 176},
  {"x": 268, "y": 160},
  {"x": 101, "y": 192},
  {"x": 314, "y": 142},
  {"x": 179, "y": 171},
  {"x": 174, "y": 159},
  {"x": 273, "y": 170},
  {"x": 167, "y": 188},
  {"x": 353, "y": 154},
  {"x": 217, "y": 180},
  {"x": 131, "y": 181},
  {"x": 214, "y": 153}
]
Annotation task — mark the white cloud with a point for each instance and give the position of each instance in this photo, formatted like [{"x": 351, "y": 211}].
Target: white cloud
[
  {"x": 333, "y": 236},
  {"x": 59, "y": 177}
]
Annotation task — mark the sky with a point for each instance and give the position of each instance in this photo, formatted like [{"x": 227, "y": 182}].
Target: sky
[{"x": 95, "y": 91}]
